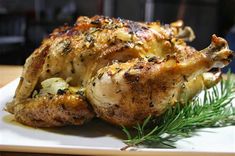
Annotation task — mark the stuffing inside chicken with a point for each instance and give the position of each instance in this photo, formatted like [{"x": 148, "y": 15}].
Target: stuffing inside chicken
[{"x": 117, "y": 70}]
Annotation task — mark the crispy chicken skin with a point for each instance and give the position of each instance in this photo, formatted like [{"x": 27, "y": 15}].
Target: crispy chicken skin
[
  {"x": 119, "y": 70},
  {"x": 58, "y": 110}
]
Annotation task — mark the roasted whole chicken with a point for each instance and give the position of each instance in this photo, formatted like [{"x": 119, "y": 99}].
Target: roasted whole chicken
[{"x": 117, "y": 70}]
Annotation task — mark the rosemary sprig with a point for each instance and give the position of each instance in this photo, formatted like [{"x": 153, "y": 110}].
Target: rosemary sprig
[{"x": 214, "y": 109}]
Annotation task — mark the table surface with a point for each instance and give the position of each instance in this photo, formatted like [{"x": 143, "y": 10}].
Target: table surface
[{"x": 7, "y": 74}]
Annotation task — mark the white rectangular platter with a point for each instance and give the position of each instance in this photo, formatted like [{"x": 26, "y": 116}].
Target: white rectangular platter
[{"x": 99, "y": 138}]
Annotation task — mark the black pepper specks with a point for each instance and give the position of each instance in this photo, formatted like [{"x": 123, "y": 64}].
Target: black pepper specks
[
  {"x": 63, "y": 106},
  {"x": 81, "y": 93},
  {"x": 185, "y": 78},
  {"x": 66, "y": 46},
  {"x": 151, "y": 104},
  {"x": 96, "y": 22},
  {"x": 100, "y": 75},
  {"x": 131, "y": 78},
  {"x": 116, "y": 105},
  {"x": 81, "y": 58},
  {"x": 61, "y": 91},
  {"x": 138, "y": 66},
  {"x": 72, "y": 67},
  {"x": 152, "y": 59}
]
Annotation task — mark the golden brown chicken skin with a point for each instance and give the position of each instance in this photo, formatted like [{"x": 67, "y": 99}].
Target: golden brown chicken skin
[
  {"x": 57, "y": 110},
  {"x": 118, "y": 70}
]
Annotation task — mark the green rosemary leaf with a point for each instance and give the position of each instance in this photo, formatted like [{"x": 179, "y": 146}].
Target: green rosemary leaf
[
  {"x": 125, "y": 130},
  {"x": 145, "y": 122}
]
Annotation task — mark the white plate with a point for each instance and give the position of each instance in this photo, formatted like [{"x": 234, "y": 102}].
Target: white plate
[{"x": 99, "y": 138}]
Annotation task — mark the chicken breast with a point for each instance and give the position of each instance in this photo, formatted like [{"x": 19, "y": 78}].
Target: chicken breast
[{"x": 118, "y": 70}]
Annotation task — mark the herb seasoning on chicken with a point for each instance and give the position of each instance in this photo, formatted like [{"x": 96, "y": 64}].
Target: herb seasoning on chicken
[{"x": 118, "y": 70}]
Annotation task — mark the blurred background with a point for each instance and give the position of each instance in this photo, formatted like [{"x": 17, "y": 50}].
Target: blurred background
[{"x": 23, "y": 24}]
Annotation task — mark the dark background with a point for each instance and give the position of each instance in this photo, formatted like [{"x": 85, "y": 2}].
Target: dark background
[{"x": 24, "y": 23}]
